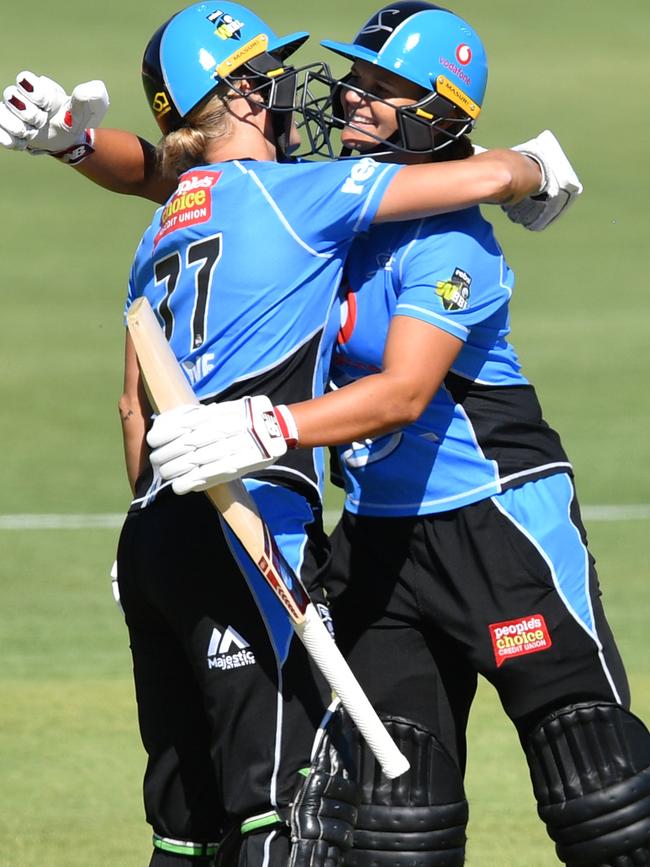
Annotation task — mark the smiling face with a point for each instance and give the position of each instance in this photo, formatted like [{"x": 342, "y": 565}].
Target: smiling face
[{"x": 370, "y": 118}]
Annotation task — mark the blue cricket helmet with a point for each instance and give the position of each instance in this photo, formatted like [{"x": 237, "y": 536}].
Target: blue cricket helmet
[
  {"x": 200, "y": 47},
  {"x": 435, "y": 49}
]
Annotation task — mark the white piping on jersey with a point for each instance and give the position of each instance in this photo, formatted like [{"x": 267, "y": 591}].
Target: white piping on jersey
[
  {"x": 431, "y": 315},
  {"x": 251, "y": 174},
  {"x": 502, "y": 284},
  {"x": 489, "y": 486},
  {"x": 601, "y": 656},
  {"x": 275, "y": 363},
  {"x": 556, "y": 465},
  {"x": 590, "y": 632},
  {"x": 496, "y": 486},
  {"x": 478, "y": 381},
  {"x": 370, "y": 197}
]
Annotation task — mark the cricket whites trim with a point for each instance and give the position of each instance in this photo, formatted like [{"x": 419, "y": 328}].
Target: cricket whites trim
[{"x": 167, "y": 388}]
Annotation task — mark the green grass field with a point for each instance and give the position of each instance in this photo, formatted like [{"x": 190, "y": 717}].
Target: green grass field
[{"x": 70, "y": 757}]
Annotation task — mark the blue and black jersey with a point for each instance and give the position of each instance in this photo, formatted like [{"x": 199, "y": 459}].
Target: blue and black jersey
[
  {"x": 483, "y": 432},
  {"x": 242, "y": 266}
]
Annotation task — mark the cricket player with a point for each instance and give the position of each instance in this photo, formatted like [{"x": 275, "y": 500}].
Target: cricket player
[
  {"x": 242, "y": 265},
  {"x": 461, "y": 549}
]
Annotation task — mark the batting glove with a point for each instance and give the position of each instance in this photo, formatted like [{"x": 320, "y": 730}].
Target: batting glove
[
  {"x": 205, "y": 445},
  {"x": 37, "y": 115},
  {"x": 560, "y": 186}
]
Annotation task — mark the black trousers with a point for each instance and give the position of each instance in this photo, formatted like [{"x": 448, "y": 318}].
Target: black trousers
[
  {"x": 228, "y": 703},
  {"x": 505, "y": 587}
]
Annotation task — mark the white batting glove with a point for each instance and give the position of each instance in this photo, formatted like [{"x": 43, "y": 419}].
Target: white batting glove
[
  {"x": 205, "y": 445},
  {"x": 37, "y": 115},
  {"x": 560, "y": 186}
]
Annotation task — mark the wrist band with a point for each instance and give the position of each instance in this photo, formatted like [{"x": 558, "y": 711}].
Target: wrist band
[
  {"x": 78, "y": 152},
  {"x": 287, "y": 425}
]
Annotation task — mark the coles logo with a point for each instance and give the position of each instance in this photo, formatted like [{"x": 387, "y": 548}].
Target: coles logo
[
  {"x": 512, "y": 638},
  {"x": 190, "y": 205},
  {"x": 463, "y": 54}
]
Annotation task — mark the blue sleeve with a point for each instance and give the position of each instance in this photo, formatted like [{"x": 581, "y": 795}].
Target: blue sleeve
[
  {"x": 451, "y": 273},
  {"x": 340, "y": 199}
]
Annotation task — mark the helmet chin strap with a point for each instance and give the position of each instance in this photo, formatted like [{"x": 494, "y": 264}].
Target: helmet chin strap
[{"x": 281, "y": 103}]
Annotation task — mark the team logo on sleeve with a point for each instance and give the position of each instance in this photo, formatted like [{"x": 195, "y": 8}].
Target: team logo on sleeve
[
  {"x": 512, "y": 638},
  {"x": 455, "y": 291}
]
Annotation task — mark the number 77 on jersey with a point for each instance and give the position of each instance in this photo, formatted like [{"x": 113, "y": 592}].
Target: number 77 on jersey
[{"x": 168, "y": 387}]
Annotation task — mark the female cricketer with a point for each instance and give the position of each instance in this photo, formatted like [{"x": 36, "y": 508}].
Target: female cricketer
[
  {"x": 461, "y": 549},
  {"x": 242, "y": 265}
]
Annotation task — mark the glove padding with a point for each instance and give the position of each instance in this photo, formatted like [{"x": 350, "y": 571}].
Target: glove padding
[
  {"x": 201, "y": 446},
  {"x": 37, "y": 115},
  {"x": 324, "y": 811},
  {"x": 560, "y": 186}
]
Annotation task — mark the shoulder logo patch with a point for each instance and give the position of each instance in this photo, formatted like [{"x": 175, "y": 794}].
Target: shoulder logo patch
[{"x": 455, "y": 291}]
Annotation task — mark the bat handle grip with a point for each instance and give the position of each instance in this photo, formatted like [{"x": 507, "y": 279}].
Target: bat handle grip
[{"x": 323, "y": 650}]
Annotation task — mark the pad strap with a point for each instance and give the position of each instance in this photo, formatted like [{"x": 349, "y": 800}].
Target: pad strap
[{"x": 184, "y": 847}]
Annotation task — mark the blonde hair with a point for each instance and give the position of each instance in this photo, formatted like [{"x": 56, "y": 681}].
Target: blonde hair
[{"x": 186, "y": 147}]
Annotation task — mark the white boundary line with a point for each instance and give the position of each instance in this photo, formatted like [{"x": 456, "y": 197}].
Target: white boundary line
[{"x": 108, "y": 521}]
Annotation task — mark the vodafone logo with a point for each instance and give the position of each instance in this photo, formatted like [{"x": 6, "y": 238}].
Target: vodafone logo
[{"x": 463, "y": 54}]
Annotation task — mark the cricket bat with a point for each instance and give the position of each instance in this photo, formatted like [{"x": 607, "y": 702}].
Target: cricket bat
[{"x": 168, "y": 387}]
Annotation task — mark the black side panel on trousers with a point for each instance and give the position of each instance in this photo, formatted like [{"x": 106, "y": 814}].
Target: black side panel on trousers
[
  {"x": 418, "y": 818},
  {"x": 590, "y": 767}
]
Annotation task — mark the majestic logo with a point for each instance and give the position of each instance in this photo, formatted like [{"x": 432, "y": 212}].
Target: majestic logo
[
  {"x": 228, "y": 650},
  {"x": 455, "y": 291},
  {"x": 463, "y": 54},
  {"x": 227, "y": 27},
  {"x": 512, "y": 638}
]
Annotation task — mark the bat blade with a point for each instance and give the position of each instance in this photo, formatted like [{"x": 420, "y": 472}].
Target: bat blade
[{"x": 168, "y": 387}]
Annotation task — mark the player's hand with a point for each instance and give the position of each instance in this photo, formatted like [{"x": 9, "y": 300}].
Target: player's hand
[
  {"x": 560, "y": 187},
  {"x": 205, "y": 445},
  {"x": 37, "y": 115}
]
